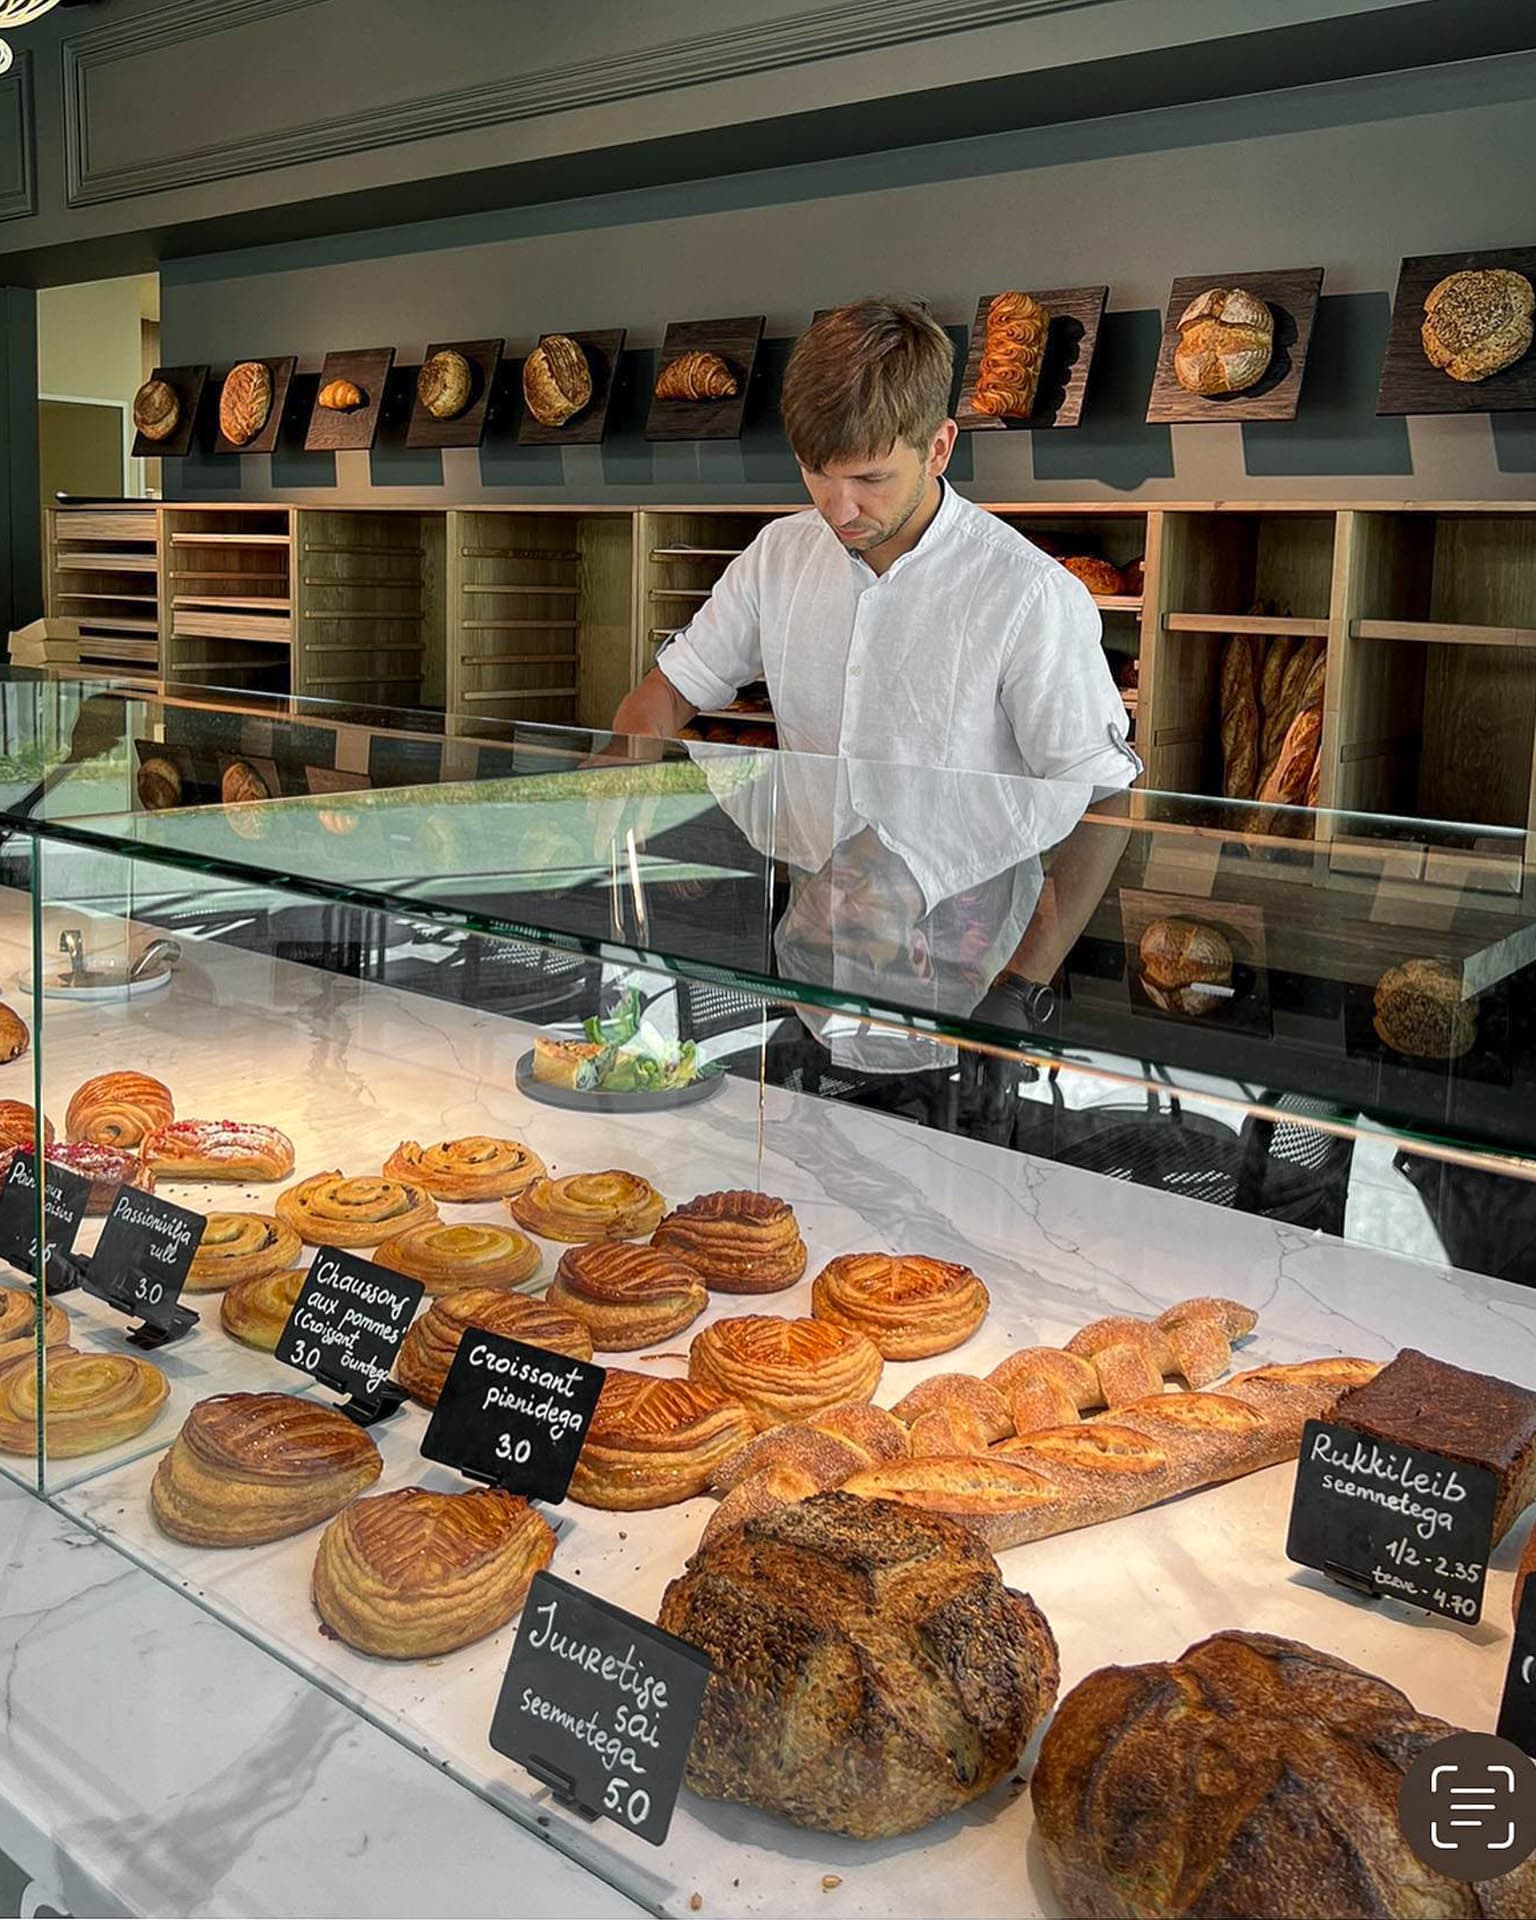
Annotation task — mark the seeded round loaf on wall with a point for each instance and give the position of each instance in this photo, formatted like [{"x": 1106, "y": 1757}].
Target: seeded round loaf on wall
[{"x": 1478, "y": 323}]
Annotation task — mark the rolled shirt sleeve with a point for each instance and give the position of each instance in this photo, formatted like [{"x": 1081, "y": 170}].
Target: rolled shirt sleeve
[
  {"x": 1057, "y": 690},
  {"x": 721, "y": 649}
]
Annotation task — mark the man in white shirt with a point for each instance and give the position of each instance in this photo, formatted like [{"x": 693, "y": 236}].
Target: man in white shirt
[{"x": 897, "y": 625}]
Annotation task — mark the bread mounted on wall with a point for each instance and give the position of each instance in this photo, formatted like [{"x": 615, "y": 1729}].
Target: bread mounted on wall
[
  {"x": 568, "y": 382},
  {"x": 349, "y": 400},
  {"x": 1460, "y": 340},
  {"x": 704, "y": 373},
  {"x": 251, "y": 402},
  {"x": 452, "y": 398},
  {"x": 1029, "y": 359},
  {"x": 1235, "y": 346},
  {"x": 165, "y": 412}
]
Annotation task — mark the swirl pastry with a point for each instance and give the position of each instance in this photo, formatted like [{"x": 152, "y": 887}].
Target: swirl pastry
[
  {"x": 475, "y": 1254},
  {"x": 218, "y": 1150},
  {"x": 18, "y": 1125},
  {"x": 107, "y": 1169},
  {"x": 252, "y": 1467},
  {"x": 653, "y": 1443},
  {"x": 627, "y": 1296},
  {"x": 1009, "y": 375},
  {"x": 589, "y": 1206},
  {"x": 410, "y": 1574},
  {"x": 18, "y": 1324},
  {"x": 240, "y": 1246},
  {"x": 256, "y": 1311},
  {"x": 329, "y": 1210},
  {"x": 118, "y": 1110},
  {"x": 783, "y": 1369},
  {"x": 909, "y": 1305},
  {"x": 91, "y": 1401},
  {"x": 739, "y": 1241},
  {"x": 427, "y": 1351},
  {"x": 474, "y": 1168}
]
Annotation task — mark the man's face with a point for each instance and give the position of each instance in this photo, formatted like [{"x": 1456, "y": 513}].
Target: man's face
[{"x": 867, "y": 502}]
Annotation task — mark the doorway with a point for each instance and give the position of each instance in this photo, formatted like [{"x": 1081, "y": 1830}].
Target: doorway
[{"x": 96, "y": 345}]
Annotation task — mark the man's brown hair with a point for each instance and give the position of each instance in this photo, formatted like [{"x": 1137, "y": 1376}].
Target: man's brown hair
[{"x": 863, "y": 377}]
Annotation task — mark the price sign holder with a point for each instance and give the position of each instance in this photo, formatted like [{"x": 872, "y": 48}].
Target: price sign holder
[
  {"x": 1517, "y": 1713},
  {"x": 1393, "y": 1522},
  {"x": 65, "y": 1198},
  {"x": 578, "y": 1660},
  {"x": 141, "y": 1263},
  {"x": 348, "y": 1320},
  {"x": 513, "y": 1416}
]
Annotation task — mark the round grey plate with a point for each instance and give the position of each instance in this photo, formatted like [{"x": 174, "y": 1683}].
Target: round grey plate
[{"x": 600, "y": 1102}]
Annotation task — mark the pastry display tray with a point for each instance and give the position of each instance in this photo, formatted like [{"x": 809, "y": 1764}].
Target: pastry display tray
[{"x": 349, "y": 1069}]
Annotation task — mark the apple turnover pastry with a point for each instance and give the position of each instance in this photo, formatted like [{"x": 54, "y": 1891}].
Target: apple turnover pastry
[
  {"x": 627, "y": 1296},
  {"x": 427, "y": 1351},
  {"x": 653, "y": 1443},
  {"x": 256, "y": 1311},
  {"x": 329, "y": 1210},
  {"x": 476, "y": 1254},
  {"x": 240, "y": 1246},
  {"x": 251, "y": 1467},
  {"x": 118, "y": 1110},
  {"x": 783, "y": 1369},
  {"x": 589, "y": 1206},
  {"x": 909, "y": 1305},
  {"x": 411, "y": 1574},
  {"x": 218, "y": 1150},
  {"x": 474, "y": 1168},
  {"x": 738, "y": 1241},
  {"x": 91, "y": 1401}
]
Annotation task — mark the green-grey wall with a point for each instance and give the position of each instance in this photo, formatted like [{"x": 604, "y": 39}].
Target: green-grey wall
[
  {"x": 20, "y": 560},
  {"x": 1349, "y": 175}
]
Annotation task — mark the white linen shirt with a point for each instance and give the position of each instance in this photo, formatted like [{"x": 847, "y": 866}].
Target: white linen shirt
[{"x": 974, "y": 651}]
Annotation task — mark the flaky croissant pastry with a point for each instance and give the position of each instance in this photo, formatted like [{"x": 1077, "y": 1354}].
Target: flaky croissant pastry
[{"x": 696, "y": 376}]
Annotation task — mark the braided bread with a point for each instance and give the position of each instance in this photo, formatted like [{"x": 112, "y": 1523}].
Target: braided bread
[{"x": 1009, "y": 375}]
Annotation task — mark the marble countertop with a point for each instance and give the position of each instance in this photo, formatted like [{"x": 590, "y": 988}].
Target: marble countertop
[{"x": 348, "y": 1069}]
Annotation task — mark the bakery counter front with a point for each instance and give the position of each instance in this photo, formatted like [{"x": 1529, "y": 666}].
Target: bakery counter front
[{"x": 895, "y": 1522}]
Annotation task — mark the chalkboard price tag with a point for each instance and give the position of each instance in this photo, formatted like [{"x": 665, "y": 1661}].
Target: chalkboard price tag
[
  {"x": 600, "y": 1706},
  {"x": 345, "y": 1329},
  {"x": 1393, "y": 1522},
  {"x": 513, "y": 1415},
  {"x": 1517, "y": 1715},
  {"x": 141, "y": 1263},
  {"x": 64, "y": 1204}
]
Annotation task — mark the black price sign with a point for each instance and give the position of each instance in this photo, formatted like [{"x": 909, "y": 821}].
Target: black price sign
[
  {"x": 64, "y": 1202},
  {"x": 600, "y": 1706},
  {"x": 513, "y": 1415},
  {"x": 143, "y": 1257},
  {"x": 1517, "y": 1715},
  {"x": 347, "y": 1323},
  {"x": 1394, "y": 1522}
]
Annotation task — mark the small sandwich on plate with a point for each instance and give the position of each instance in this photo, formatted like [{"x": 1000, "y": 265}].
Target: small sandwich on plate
[{"x": 570, "y": 1063}]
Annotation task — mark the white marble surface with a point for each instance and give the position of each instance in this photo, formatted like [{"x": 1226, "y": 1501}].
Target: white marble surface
[{"x": 349, "y": 1070}]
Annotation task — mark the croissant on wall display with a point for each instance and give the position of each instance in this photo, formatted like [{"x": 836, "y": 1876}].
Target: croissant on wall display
[
  {"x": 557, "y": 381},
  {"x": 341, "y": 396},
  {"x": 1009, "y": 376},
  {"x": 696, "y": 376}
]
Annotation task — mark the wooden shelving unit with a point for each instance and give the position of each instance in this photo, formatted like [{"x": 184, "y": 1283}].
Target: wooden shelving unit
[
  {"x": 225, "y": 593},
  {"x": 368, "y": 607},
  {"x": 103, "y": 573}
]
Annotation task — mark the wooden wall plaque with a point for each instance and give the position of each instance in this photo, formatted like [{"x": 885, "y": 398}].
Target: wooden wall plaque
[
  {"x": 1075, "y": 313},
  {"x": 738, "y": 343},
  {"x": 588, "y": 426},
  {"x": 368, "y": 368},
  {"x": 187, "y": 383},
  {"x": 1292, "y": 296},
  {"x": 466, "y": 429},
  {"x": 265, "y": 441},
  {"x": 1409, "y": 383}
]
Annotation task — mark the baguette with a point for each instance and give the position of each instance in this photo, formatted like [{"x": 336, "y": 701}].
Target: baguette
[
  {"x": 1287, "y": 781},
  {"x": 1277, "y": 657},
  {"x": 1240, "y": 716},
  {"x": 1299, "y": 689}
]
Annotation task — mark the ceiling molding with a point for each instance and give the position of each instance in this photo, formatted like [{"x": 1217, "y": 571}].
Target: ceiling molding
[
  {"x": 818, "y": 33},
  {"x": 20, "y": 203}
]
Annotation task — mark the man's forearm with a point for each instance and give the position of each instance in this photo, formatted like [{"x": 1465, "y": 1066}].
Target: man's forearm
[
  {"x": 655, "y": 709},
  {"x": 1079, "y": 877}
]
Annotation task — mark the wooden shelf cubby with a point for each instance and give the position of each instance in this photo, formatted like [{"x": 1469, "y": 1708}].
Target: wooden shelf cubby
[
  {"x": 226, "y": 617},
  {"x": 103, "y": 573},
  {"x": 368, "y": 606}
]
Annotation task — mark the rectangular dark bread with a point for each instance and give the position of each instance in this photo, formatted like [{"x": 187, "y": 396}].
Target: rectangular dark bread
[{"x": 1418, "y": 1401}]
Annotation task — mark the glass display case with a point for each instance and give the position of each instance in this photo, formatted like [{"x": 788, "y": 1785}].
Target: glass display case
[{"x": 1069, "y": 1062}]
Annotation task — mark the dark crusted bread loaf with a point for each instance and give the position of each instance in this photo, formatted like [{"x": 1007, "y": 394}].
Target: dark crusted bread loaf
[
  {"x": 1253, "y": 1776},
  {"x": 871, "y": 1672}
]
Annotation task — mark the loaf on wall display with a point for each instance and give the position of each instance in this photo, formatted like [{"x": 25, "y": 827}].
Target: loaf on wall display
[
  {"x": 1226, "y": 340},
  {"x": 1460, "y": 337},
  {"x": 1235, "y": 346}
]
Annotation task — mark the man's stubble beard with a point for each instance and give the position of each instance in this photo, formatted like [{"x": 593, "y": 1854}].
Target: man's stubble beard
[{"x": 894, "y": 527}]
